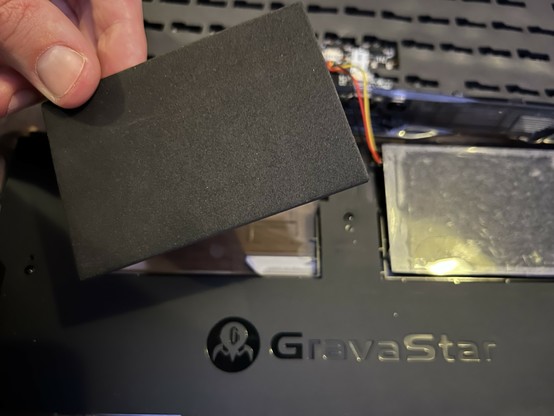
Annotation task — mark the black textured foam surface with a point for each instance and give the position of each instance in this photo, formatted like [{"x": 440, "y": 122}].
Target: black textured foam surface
[{"x": 231, "y": 129}]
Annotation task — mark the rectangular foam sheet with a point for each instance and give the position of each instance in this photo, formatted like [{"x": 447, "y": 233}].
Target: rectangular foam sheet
[{"x": 236, "y": 127}]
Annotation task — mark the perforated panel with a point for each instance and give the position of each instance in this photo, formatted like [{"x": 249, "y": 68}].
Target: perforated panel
[{"x": 479, "y": 48}]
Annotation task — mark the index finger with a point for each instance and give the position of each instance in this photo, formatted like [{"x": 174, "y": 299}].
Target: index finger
[{"x": 118, "y": 30}]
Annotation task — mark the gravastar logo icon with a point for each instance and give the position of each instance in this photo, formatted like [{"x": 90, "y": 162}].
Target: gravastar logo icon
[{"x": 233, "y": 344}]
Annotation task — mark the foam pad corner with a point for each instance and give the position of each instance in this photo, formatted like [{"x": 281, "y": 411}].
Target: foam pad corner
[{"x": 233, "y": 128}]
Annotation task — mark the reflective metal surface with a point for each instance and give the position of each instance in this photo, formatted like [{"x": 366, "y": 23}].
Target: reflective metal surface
[{"x": 469, "y": 211}]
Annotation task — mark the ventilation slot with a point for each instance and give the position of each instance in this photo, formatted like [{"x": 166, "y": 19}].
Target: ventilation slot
[
  {"x": 386, "y": 14},
  {"x": 535, "y": 56},
  {"x": 421, "y": 82},
  {"x": 376, "y": 42},
  {"x": 488, "y": 51},
  {"x": 355, "y": 11},
  {"x": 213, "y": 3},
  {"x": 331, "y": 36},
  {"x": 477, "y": 1},
  {"x": 277, "y": 5},
  {"x": 516, "y": 89},
  {"x": 549, "y": 92},
  {"x": 175, "y": 1},
  {"x": 216, "y": 28},
  {"x": 433, "y": 20},
  {"x": 153, "y": 25},
  {"x": 410, "y": 43},
  {"x": 334, "y": 37},
  {"x": 475, "y": 85},
  {"x": 391, "y": 79},
  {"x": 513, "y": 3},
  {"x": 540, "y": 31},
  {"x": 314, "y": 8},
  {"x": 242, "y": 4},
  {"x": 183, "y": 27},
  {"x": 462, "y": 21},
  {"x": 504, "y": 26},
  {"x": 449, "y": 47}
]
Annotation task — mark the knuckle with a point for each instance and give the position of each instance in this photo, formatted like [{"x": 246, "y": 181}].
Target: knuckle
[{"x": 13, "y": 14}]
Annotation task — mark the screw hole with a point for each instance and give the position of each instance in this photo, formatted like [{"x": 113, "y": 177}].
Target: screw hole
[
  {"x": 349, "y": 217},
  {"x": 30, "y": 269}
]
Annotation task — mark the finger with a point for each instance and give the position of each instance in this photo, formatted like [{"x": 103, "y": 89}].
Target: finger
[
  {"x": 44, "y": 46},
  {"x": 66, "y": 8},
  {"x": 15, "y": 92},
  {"x": 117, "y": 29}
]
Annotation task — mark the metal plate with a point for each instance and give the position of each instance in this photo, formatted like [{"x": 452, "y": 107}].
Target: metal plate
[
  {"x": 135, "y": 344},
  {"x": 480, "y": 48},
  {"x": 488, "y": 211}
]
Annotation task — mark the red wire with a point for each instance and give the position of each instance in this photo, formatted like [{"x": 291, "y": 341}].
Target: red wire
[{"x": 373, "y": 151}]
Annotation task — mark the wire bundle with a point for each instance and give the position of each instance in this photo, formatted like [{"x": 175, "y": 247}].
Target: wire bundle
[{"x": 363, "y": 101}]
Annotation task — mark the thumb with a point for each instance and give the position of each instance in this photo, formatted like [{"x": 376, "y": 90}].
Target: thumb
[{"x": 44, "y": 46}]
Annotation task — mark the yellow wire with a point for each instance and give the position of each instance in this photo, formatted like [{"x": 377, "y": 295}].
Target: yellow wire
[{"x": 367, "y": 114}]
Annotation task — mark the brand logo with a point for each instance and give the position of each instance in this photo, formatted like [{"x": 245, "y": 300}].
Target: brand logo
[
  {"x": 233, "y": 344},
  {"x": 413, "y": 348}
]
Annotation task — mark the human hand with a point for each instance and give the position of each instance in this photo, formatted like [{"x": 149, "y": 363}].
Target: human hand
[{"x": 60, "y": 49}]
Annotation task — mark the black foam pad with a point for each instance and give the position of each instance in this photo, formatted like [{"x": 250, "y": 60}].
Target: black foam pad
[{"x": 231, "y": 129}]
